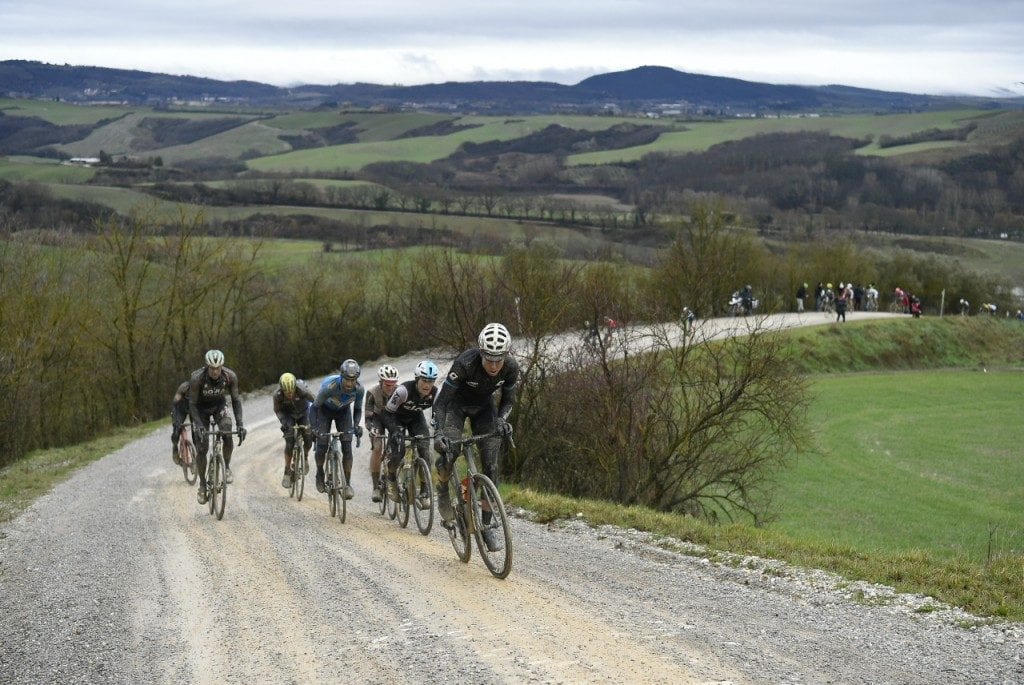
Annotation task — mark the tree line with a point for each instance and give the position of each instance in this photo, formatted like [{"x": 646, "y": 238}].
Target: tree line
[{"x": 97, "y": 330}]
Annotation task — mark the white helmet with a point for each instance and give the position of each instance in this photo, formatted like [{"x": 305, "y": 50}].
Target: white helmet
[
  {"x": 349, "y": 369},
  {"x": 387, "y": 373},
  {"x": 215, "y": 359},
  {"x": 494, "y": 340}
]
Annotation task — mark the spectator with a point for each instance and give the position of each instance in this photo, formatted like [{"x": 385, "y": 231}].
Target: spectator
[{"x": 801, "y": 294}]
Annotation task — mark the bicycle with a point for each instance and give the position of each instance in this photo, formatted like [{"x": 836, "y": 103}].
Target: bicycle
[
  {"x": 187, "y": 455},
  {"x": 415, "y": 489},
  {"x": 471, "y": 496},
  {"x": 216, "y": 485},
  {"x": 334, "y": 478},
  {"x": 300, "y": 462}
]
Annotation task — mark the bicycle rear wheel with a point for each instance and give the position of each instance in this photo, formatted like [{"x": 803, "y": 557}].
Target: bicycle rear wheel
[
  {"x": 404, "y": 495},
  {"x": 392, "y": 506},
  {"x": 498, "y": 555},
  {"x": 220, "y": 491},
  {"x": 188, "y": 461},
  {"x": 423, "y": 494},
  {"x": 383, "y": 504}
]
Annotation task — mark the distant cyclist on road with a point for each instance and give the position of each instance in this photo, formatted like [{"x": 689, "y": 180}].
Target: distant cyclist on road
[
  {"x": 208, "y": 391},
  {"x": 405, "y": 408},
  {"x": 475, "y": 376},
  {"x": 376, "y": 398},
  {"x": 339, "y": 402},
  {"x": 291, "y": 405}
]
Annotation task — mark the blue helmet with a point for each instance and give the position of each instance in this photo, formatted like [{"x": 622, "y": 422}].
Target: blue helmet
[{"x": 426, "y": 369}]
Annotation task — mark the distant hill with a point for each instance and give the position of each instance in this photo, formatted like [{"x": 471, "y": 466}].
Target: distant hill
[{"x": 648, "y": 88}]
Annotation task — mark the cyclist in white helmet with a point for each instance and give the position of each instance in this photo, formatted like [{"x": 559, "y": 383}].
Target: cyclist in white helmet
[
  {"x": 474, "y": 377},
  {"x": 208, "y": 391},
  {"x": 376, "y": 398},
  {"x": 405, "y": 408}
]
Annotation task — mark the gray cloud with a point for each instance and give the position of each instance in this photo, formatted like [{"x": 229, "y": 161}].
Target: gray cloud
[{"x": 941, "y": 46}]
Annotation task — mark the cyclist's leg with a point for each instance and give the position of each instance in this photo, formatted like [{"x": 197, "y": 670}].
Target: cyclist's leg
[
  {"x": 344, "y": 423},
  {"x": 289, "y": 445},
  {"x": 373, "y": 424},
  {"x": 225, "y": 424},
  {"x": 483, "y": 422},
  {"x": 450, "y": 425}
]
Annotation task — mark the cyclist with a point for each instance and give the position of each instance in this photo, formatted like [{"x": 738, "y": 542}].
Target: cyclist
[
  {"x": 376, "y": 398},
  {"x": 179, "y": 412},
  {"x": 291, "y": 405},
  {"x": 467, "y": 392},
  {"x": 207, "y": 398},
  {"x": 340, "y": 401},
  {"x": 405, "y": 408}
]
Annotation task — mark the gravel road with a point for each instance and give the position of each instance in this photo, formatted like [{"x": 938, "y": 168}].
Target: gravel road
[{"x": 118, "y": 576}]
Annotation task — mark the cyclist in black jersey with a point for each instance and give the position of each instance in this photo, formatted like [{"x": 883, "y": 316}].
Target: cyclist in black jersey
[
  {"x": 208, "y": 391},
  {"x": 475, "y": 377},
  {"x": 291, "y": 406},
  {"x": 405, "y": 408}
]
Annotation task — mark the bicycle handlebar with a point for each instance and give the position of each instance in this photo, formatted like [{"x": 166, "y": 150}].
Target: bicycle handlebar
[{"x": 337, "y": 434}]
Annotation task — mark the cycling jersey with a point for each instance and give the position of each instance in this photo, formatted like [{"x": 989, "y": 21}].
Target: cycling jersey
[
  {"x": 208, "y": 396},
  {"x": 469, "y": 385},
  {"x": 406, "y": 399},
  {"x": 334, "y": 398},
  {"x": 296, "y": 408}
]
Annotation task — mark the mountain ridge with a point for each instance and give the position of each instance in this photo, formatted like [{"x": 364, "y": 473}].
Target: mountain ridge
[{"x": 644, "y": 88}]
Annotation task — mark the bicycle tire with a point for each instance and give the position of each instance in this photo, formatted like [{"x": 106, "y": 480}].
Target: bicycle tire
[
  {"x": 498, "y": 562},
  {"x": 457, "y": 531},
  {"x": 187, "y": 454},
  {"x": 330, "y": 486},
  {"x": 338, "y": 478},
  {"x": 421, "y": 480},
  {"x": 220, "y": 492},
  {"x": 383, "y": 504},
  {"x": 404, "y": 495},
  {"x": 211, "y": 472},
  {"x": 299, "y": 472}
]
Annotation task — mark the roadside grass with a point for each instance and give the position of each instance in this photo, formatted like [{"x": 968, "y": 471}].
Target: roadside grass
[{"x": 994, "y": 590}]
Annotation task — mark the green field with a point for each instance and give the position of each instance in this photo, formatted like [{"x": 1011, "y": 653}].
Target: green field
[
  {"x": 700, "y": 136},
  {"x": 424, "y": 149},
  {"x": 61, "y": 113},
  {"x": 922, "y": 460},
  {"x": 43, "y": 170}
]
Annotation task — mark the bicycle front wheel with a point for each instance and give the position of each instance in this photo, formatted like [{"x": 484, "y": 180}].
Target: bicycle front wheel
[
  {"x": 457, "y": 531},
  {"x": 494, "y": 537},
  {"x": 220, "y": 491},
  {"x": 341, "y": 504},
  {"x": 404, "y": 495},
  {"x": 298, "y": 472},
  {"x": 423, "y": 494}
]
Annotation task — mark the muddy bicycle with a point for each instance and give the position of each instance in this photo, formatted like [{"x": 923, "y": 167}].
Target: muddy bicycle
[
  {"x": 334, "y": 476},
  {"x": 300, "y": 462},
  {"x": 216, "y": 470},
  {"x": 479, "y": 510},
  {"x": 415, "y": 489}
]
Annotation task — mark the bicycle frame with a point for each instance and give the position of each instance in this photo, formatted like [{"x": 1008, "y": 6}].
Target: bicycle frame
[
  {"x": 298, "y": 461},
  {"x": 476, "y": 494},
  {"x": 334, "y": 479},
  {"x": 187, "y": 454},
  {"x": 408, "y": 492},
  {"x": 217, "y": 487}
]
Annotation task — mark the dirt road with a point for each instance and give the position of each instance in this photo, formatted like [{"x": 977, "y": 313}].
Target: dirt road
[{"x": 119, "y": 576}]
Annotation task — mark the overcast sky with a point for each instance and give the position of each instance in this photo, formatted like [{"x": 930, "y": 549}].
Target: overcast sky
[{"x": 918, "y": 46}]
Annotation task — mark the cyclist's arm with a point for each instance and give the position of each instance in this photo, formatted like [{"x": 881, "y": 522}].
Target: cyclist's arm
[
  {"x": 357, "y": 405},
  {"x": 194, "y": 388},
  {"x": 508, "y": 392},
  {"x": 236, "y": 398}
]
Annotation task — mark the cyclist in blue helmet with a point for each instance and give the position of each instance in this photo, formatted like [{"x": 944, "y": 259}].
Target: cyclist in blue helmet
[{"x": 405, "y": 408}]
